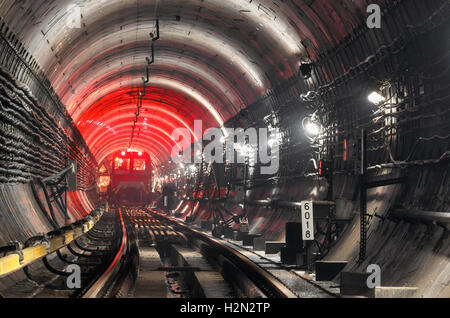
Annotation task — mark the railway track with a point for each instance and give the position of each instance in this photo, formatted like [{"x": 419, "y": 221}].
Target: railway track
[
  {"x": 193, "y": 264},
  {"x": 93, "y": 253},
  {"x": 136, "y": 252}
]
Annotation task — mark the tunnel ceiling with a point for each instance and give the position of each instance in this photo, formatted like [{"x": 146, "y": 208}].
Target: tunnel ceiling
[{"x": 213, "y": 58}]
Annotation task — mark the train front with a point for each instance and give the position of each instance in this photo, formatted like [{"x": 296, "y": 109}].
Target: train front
[{"x": 130, "y": 179}]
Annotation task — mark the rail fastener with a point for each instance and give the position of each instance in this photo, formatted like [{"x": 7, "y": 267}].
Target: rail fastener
[{"x": 24, "y": 257}]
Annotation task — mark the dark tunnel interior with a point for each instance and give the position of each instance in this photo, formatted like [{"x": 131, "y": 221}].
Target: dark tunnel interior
[{"x": 170, "y": 132}]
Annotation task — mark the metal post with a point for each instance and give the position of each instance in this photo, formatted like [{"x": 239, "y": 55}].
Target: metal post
[
  {"x": 330, "y": 194},
  {"x": 363, "y": 199},
  {"x": 65, "y": 196},
  {"x": 247, "y": 163}
]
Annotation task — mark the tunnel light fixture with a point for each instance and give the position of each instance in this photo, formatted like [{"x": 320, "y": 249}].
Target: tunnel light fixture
[
  {"x": 243, "y": 149},
  {"x": 140, "y": 153},
  {"x": 275, "y": 137},
  {"x": 272, "y": 142},
  {"x": 306, "y": 70},
  {"x": 247, "y": 149},
  {"x": 312, "y": 128},
  {"x": 123, "y": 153},
  {"x": 376, "y": 98}
]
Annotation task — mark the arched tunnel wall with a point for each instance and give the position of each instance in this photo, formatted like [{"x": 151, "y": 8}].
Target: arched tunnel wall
[
  {"x": 408, "y": 137},
  {"x": 408, "y": 141},
  {"x": 38, "y": 140}
]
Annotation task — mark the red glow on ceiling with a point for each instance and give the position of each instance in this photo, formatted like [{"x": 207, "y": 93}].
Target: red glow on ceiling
[{"x": 107, "y": 124}]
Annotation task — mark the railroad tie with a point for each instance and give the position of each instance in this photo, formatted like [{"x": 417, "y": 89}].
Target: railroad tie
[
  {"x": 211, "y": 284},
  {"x": 150, "y": 282}
]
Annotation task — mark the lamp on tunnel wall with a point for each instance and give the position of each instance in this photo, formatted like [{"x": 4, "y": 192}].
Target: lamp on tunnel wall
[
  {"x": 312, "y": 128},
  {"x": 306, "y": 67},
  {"x": 306, "y": 70},
  {"x": 376, "y": 98}
]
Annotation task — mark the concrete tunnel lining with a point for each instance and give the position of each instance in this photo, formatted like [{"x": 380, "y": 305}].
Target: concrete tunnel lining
[{"x": 236, "y": 64}]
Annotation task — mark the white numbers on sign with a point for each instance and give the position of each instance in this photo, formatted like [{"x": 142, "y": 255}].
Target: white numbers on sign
[{"x": 307, "y": 221}]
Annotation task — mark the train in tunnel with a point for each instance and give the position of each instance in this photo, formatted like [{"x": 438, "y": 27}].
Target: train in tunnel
[
  {"x": 215, "y": 149},
  {"x": 130, "y": 179}
]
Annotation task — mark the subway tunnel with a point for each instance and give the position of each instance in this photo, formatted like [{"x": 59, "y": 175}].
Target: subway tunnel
[{"x": 234, "y": 148}]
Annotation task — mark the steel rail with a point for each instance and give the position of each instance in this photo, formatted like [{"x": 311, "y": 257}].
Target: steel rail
[
  {"x": 97, "y": 287},
  {"x": 261, "y": 278}
]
